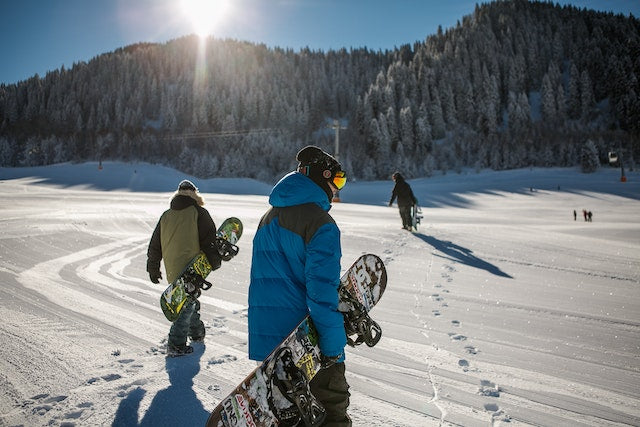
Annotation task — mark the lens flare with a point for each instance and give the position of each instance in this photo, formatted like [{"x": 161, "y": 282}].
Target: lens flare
[{"x": 204, "y": 14}]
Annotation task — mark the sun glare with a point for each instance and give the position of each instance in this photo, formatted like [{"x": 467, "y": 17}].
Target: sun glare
[{"x": 204, "y": 14}]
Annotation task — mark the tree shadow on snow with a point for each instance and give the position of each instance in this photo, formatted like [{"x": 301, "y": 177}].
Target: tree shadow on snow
[
  {"x": 463, "y": 255},
  {"x": 173, "y": 406}
]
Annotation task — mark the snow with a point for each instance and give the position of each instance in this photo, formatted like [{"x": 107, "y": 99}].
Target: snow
[{"x": 501, "y": 310}]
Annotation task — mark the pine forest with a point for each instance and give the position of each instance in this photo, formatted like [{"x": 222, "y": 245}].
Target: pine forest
[{"x": 515, "y": 84}]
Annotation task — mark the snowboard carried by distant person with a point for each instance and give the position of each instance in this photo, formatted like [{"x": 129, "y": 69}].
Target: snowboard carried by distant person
[
  {"x": 277, "y": 392},
  {"x": 416, "y": 216},
  {"x": 192, "y": 279}
]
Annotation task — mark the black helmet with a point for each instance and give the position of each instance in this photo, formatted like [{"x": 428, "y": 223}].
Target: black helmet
[{"x": 320, "y": 167}]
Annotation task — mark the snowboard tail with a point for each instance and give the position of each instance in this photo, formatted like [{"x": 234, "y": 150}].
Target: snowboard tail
[
  {"x": 192, "y": 279},
  {"x": 277, "y": 392},
  {"x": 361, "y": 287}
]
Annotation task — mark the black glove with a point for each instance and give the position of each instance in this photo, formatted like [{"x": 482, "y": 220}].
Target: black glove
[
  {"x": 155, "y": 276},
  {"x": 326, "y": 361}
]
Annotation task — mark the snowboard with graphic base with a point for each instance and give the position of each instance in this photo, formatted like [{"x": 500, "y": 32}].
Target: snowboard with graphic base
[
  {"x": 192, "y": 278},
  {"x": 416, "y": 216},
  {"x": 277, "y": 392}
]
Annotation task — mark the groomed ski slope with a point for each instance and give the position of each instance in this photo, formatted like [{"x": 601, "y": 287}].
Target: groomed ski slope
[{"x": 501, "y": 308}]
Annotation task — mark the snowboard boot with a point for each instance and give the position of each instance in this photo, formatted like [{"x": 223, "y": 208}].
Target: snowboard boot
[{"x": 177, "y": 351}]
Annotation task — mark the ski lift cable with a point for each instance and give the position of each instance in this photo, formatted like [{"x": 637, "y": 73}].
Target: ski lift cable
[{"x": 221, "y": 134}]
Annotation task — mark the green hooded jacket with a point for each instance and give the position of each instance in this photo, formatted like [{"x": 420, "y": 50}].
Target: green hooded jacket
[{"x": 182, "y": 231}]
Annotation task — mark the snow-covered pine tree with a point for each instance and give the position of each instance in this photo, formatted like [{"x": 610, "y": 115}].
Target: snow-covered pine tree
[{"x": 589, "y": 160}]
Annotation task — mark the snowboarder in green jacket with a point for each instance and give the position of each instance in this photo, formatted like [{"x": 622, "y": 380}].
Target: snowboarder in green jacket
[{"x": 183, "y": 230}]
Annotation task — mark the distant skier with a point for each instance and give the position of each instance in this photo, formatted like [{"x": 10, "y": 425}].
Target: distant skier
[
  {"x": 575, "y": 215},
  {"x": 406, "y": 199},
  {"x": 182, "y": 231}
]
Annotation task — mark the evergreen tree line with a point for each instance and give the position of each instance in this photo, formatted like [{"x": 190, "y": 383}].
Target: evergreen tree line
[{"x": 514, "y": 84}]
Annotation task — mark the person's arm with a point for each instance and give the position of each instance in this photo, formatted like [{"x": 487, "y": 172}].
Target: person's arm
[
  {"x": 322, "y": 272},
  {"x": 413, "y": 197},
  {"x": 394, "y": 194},
  {"x": 154, "y": 255},
  {"x": 207, "y": 235}
]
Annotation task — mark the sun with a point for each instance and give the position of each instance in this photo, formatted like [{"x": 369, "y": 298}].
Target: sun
[{"x": 204, "y": 14}]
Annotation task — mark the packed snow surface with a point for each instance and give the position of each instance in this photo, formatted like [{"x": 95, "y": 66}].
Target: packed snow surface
[{"x": 500, "y": 309}]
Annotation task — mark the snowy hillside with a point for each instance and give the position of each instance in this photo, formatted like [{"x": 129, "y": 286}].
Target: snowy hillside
[{"x": 502, "y": 308}]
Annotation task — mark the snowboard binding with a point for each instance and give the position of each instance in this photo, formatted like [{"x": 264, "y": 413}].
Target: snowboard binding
[
  {"x": 293, "y": 385},
  {"x": 358, "y": 322},
  {"x": 226, "y": 249},
  {"x": 193, "y": 283}
]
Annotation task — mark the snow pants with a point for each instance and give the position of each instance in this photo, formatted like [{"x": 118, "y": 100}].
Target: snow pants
[
  {"x": 330, "y": 387},
  {"x": 405, "y": 214},
  {"x": 187, "y": 324}
]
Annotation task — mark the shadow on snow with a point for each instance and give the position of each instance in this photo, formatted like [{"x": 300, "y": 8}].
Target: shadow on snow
[
  {"x": 462, "y": 255},
  {"x": 173, "y": 406}
]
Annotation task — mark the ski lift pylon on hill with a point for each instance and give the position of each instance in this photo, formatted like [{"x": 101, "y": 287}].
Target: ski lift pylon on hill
[{"x": 615, "y": 161}]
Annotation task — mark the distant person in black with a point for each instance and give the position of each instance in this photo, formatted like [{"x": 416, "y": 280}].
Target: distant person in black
[{"x": 406, "y": 199}]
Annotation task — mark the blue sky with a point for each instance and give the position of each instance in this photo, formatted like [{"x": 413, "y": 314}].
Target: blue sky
[{"x": 42, "y": 35}]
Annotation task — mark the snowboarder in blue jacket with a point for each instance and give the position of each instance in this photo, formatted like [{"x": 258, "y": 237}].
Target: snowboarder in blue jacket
[{"x": 295, "y": 271}]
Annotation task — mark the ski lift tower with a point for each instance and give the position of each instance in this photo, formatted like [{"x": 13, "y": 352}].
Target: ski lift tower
[
  {"x": 617, "y": 158},
  {"x": 336, "y": 127}
]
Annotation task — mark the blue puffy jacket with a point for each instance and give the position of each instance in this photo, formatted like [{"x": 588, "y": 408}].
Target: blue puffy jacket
[{"x": 295, "y": 269}]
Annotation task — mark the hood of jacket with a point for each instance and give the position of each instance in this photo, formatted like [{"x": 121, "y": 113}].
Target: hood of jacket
[
  {"x": 182, "y": 201},
  {"x": 296, "y": 189}
]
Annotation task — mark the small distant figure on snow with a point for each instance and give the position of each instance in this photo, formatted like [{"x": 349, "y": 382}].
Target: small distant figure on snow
[
  {"x": 589, "y": 216},
  {"x": 575, "y": 215},
  {"x": 406, "y": 199},
  {"x": 584, "y": 214}
]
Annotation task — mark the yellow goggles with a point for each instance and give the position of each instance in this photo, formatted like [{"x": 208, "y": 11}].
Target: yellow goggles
[{"x": 340, "y": 179}]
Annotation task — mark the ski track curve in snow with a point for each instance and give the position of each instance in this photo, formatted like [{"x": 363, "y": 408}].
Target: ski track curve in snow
[{"x": 491, "y": 317}]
